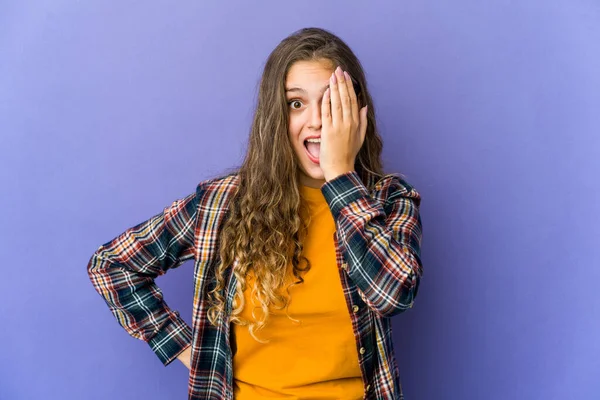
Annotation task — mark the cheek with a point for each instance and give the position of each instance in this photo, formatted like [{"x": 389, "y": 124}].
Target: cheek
[{"x": 295, "y": 128}]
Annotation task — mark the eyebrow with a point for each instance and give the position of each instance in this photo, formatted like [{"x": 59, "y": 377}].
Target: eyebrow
[{"x": 297, "y": 89}]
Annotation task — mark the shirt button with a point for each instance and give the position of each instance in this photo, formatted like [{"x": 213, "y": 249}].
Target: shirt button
[
  {"x": 368, "y": 387},
  {"x": 362, "y": 350},
  {"x": 355, "y": 308}
]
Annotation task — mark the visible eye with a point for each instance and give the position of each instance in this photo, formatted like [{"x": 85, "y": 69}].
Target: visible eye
[{"x": 292, "y": 102}]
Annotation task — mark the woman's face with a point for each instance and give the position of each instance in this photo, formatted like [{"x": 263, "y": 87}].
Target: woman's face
[{"x": 306, "y": 82}]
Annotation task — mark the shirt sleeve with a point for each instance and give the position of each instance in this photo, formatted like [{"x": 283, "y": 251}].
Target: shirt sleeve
[
  {"x": 381, "y": 242},
  {"x": 123, "y": 271}
]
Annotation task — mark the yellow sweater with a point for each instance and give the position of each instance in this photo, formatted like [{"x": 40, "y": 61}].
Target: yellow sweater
[{"x": 316, "y": 357}]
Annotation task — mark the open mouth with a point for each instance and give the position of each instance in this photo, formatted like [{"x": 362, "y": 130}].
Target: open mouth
[{"x": 313, "y": 151}]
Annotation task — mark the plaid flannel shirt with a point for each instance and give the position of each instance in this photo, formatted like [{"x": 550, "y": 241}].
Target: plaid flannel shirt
[{"x": 378, "y": 240}]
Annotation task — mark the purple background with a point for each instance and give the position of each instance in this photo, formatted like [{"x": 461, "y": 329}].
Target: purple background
[{"x": 110, "y": 111}]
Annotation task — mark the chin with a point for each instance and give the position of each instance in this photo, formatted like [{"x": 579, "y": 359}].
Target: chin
[
  {"x": 313, "y": 176},
  {"x": 314, "y": 171}
]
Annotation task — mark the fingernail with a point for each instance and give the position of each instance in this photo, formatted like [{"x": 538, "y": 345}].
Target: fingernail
[
  {"x": 347, "y": 75},
  {"x": 333, "y": 78}
]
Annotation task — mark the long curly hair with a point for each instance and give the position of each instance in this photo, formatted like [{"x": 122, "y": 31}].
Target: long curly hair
[{"x": 267, "y": 221}]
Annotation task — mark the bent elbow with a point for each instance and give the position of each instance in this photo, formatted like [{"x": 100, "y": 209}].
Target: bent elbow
[{"x": 389, "y": 307}]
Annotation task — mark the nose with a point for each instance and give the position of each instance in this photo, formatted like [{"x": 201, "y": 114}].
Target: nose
[{"x": 315, "y": 117}]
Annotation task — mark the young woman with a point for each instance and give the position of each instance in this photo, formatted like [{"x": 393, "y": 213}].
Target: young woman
[{"x": 301, "y": 255}]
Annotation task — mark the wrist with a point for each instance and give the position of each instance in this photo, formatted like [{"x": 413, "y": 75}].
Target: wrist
[{"x": 330, "y": 175}]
